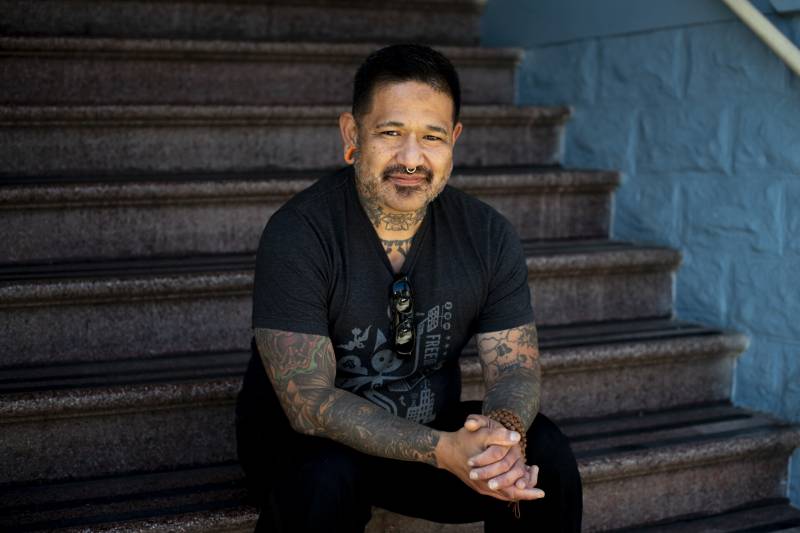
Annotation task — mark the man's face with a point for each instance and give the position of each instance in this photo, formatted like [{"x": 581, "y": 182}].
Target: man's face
[{"x": 409, "y": 126}]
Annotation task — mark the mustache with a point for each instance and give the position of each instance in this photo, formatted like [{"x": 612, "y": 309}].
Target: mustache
[{"x": 400, "y": 169}]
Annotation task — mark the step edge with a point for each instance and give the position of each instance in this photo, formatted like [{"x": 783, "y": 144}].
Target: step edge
[
  {"x": 114, "y": 400},
  {"x": 209, "y": 281},
  {"x": 567, "y": 360},
  {"x": 775, "y": 439},
  {"x": 239, "y": 115},
  {"x": 217, "y": 49},
  {"x": 165, "y": 192}
]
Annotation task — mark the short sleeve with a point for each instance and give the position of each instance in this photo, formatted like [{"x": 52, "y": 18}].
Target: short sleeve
[
  {"x": 508, "y": 300},
  {"x": 290, "y": 286}
]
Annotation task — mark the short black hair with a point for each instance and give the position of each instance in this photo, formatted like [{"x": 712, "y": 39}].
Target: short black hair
[{"x": 405, "y": 62}]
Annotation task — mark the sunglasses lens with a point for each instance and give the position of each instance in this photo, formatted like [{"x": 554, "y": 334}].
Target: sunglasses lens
[
  {"x": 404, "y": 335},
  {"x": 402, "y": 313}
]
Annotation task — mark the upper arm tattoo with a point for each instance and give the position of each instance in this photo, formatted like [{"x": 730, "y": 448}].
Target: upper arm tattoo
[
  {"x": 511, "y": 370},
  {"x": 302, "y": 368}
]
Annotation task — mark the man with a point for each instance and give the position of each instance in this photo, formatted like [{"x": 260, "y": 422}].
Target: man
[{"x": 368, "y": 286}]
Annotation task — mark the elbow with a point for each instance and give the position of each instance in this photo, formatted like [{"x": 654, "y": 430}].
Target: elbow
[{"x": 311, "y": 416}]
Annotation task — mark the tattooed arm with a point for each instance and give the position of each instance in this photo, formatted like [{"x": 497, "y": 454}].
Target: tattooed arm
[
  {"x": 302, "y": 368},
  {"x": 511, "y": 371}
]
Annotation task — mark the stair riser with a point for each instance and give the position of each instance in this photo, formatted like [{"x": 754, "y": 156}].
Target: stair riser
[
  {"x": 661, "y": 494},
  {"x": 156, "y": 145},
  {"x": 232, "y": 222},
  {"x": 110, "y": 331},
  {"x": 597, "y": 297},
  {"x": 613, "y": 389},
  {"x": 116, "y": 442},
  {"x": 191, "y": 321},
  {"x": 236, "y": 80},
  {"x": 325, "y": 22}
]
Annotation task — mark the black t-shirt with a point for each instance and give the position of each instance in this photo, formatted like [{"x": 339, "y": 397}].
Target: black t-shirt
[{"x": 321, "y": 269}]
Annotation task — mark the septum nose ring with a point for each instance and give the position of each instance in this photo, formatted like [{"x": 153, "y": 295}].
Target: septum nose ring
[{"x": 411, "y": 170}]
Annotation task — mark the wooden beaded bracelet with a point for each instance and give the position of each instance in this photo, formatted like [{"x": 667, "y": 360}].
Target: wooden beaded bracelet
[{"x": 511, "y": 421}]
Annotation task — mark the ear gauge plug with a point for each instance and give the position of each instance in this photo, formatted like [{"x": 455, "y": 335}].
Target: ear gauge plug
[{"x": 349, "y": 155}]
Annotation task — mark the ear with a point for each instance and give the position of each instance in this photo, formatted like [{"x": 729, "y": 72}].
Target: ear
[
  {"x": 349, "y": 130},
  {"x": 457, "y": 131}
]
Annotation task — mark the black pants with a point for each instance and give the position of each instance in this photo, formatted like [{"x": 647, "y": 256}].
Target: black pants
[{"x": 303, "y": 483}]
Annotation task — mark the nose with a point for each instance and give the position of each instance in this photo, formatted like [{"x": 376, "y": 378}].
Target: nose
[{"x": 410, "y": 154}]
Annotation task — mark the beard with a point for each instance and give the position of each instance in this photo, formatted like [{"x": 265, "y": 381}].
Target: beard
[
  {"x": 408, "y": 191},
  {"x": 378, "y": 187}
]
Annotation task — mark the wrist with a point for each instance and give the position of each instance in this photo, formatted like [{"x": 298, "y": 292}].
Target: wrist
[
  {"x": 442, "y": 450},
  {"x": 511, "y": 421}
]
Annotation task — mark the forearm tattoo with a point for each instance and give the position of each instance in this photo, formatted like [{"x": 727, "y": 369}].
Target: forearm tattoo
[
  {"x": 402, "y": 247},
  {"x": 302, "y": 368},
  {"x": 511, "y": 371}
]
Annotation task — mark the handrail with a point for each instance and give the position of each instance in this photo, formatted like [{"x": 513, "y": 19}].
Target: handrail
[{"x": 767, "y": 32}]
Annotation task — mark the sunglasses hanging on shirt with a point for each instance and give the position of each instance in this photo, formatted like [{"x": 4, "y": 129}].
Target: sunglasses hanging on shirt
[{"x": 402, "y": 307}]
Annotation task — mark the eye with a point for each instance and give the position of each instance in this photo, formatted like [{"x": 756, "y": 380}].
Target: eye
[
  {"x": 390, "y": 133},
  {"x": 433, "y": 138}
]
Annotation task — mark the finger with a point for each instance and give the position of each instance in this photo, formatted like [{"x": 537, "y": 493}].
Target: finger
[
  {"x": 502, "y": 437},
  {"x": 515, "y": 493},
  {"x": 517, "y": 472},
  {"x": 496, "y": 469},
  {"x": 533, "y": 477},
  {"x": 530, "y": 479},
  {"x": 490, "y": 455}
]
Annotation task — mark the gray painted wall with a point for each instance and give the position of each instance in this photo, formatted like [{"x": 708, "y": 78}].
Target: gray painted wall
[{"x": 704, "y": 122}]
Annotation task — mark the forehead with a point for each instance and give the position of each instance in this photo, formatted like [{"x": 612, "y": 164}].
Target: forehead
[{"x": 412, "y": 100}]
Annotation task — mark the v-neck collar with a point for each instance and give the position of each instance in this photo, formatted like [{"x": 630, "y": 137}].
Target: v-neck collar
[{"x": 369, "y": 229}]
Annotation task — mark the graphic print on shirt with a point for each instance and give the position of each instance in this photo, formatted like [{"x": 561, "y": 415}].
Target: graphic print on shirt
[{"x": 367, "y": 365}]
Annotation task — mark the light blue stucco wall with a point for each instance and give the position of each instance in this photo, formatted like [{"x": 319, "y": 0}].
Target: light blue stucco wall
[{"x": 704, "y": 122}]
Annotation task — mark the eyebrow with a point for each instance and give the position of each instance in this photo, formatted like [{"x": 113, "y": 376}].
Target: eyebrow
[{"x": 397, "y": 124}]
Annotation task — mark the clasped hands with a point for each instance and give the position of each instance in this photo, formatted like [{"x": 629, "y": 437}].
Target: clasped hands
[{"x": 487, "y": 457}]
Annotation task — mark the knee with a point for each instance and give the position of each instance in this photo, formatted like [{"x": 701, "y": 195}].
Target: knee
[
  {"x": 547, "y": 444},
  {"x": 322, "y": 491},
  {"x": 549, "y": 449}
]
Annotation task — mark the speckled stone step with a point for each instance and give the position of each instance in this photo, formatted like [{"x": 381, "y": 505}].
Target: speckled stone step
[
  {"x": 91, "y": 71},
  {"x": 118, "y": 309},
  {"x": 63, "y": 140},
  {"x": 58, "y": 220},
  {"x": 433, "y": 21},
  {"x": 595, "y": 370},
  {"x": 155, "y": 412},
  {"x": 635, "y": 470},
  {"x": 773, "y": 515},
  {"x": 209, "y": 498},
  {"x": 638, "y": 469}
]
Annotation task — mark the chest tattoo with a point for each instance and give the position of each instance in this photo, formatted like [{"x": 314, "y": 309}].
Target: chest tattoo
[{"x": 401, "y": 247}]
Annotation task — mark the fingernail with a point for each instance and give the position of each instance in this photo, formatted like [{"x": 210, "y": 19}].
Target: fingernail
[
  {"x": 473, "y": 475},
  {"x": 514, "y": 436},
  {"x": 493, "y": 484},
  {"x": 471, "y": 462}
]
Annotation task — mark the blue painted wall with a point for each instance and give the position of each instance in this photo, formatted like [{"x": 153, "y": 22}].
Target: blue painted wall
[{"x": 704, "y": 122}]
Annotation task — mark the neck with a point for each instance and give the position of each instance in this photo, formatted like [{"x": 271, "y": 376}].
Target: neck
[{"x": 391, "y": 225}]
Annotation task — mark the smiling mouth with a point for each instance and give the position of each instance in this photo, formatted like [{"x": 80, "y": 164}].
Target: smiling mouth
[{"x": 407, "y": 180}]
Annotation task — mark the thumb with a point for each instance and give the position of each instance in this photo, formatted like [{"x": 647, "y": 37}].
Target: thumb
[
  {"x": 473, "y": 424},
  {"x": 502, "y": 437}
]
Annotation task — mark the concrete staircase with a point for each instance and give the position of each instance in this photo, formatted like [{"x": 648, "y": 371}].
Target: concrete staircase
[{"x": 143, "y": 146}]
